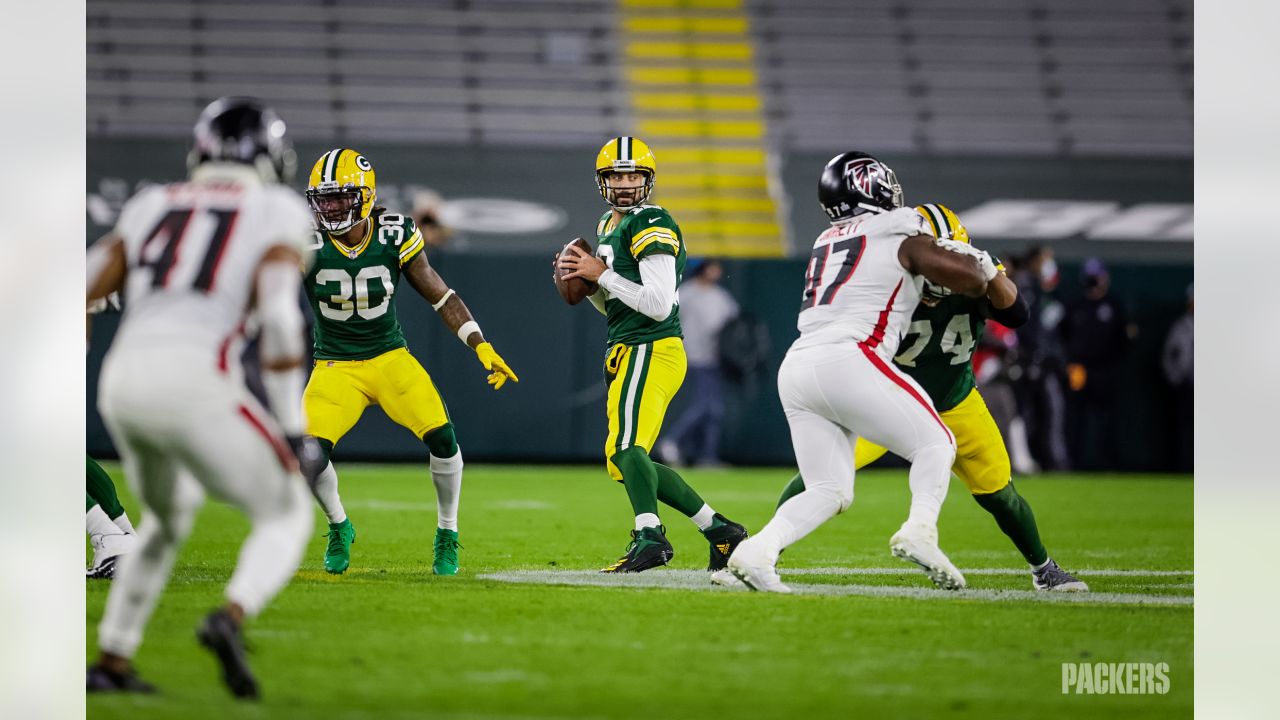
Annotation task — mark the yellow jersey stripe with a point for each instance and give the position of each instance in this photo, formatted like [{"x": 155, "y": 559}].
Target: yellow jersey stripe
[
  {"x": 412, "y": 252},
  {"x": 656, "y": 231},
  {"x": 665, "y": 240},
  {"x": 352, "y": 252}
]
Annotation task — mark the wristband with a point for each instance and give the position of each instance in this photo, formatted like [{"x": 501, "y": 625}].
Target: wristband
[{"x": 467, "y": 328}]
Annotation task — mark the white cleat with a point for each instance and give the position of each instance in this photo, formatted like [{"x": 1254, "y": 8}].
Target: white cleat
[
  {"x": 725, "y": 578},
  {"x": 919, "y": 544},
  {"x": 107, "y": 549},
  {"x": 752, "y": 566}
]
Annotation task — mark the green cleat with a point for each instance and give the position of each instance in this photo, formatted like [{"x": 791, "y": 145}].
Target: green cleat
[
  {"x": 337, "y": 556},
  {"x": 445, "y": 551}
]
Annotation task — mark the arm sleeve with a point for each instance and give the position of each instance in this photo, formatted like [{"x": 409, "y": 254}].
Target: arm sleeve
[
  {"x": 1012, "y": 317},
  {"x": 655, "y": 295},
  {"x": 597, "y": 299},
  {"x": 282, "y": 342}
]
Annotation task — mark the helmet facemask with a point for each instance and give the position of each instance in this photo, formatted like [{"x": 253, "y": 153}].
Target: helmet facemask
[
  {"x": 339, "y": 208},
  {"x": 634, "y": 196}
]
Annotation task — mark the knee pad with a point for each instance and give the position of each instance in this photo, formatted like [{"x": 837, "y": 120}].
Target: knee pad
[
  {"x": 441, "y": 442},
  {"x": 312, "y": 467}
]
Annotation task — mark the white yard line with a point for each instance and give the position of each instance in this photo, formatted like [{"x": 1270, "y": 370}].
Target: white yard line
[
  {"x": 700, "y": 580},
  {"x": 979, "y": 571}
]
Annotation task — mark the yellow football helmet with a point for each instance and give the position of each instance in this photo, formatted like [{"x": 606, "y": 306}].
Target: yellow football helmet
[
  {"x": 342, "y": 190},
  {"x": 945, "y": 226},
  {"x": 625, "y": 154}
]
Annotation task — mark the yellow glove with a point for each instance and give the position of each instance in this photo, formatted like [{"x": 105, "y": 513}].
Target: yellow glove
[{"x": 500, "y": 372}]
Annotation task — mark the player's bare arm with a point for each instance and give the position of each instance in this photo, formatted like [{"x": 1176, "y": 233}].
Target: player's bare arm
[
  {"x": 1007, "y": 307},
  {"x": 105, "y": 267},
  {"x": 455, "y": 315},
  {"x": 962, "y": 273}
]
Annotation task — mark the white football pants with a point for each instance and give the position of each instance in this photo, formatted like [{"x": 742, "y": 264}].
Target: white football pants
[
  {"x": 832, "y": 395},
  {"x": 183, "y": 428}
]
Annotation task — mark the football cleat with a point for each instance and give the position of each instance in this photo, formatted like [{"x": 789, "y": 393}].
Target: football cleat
[
  {"x": 100, "y": 679},
  {"x": 107, "y": 550},
  {"x": 337, "y": 555},
  {"x": 445, "y": 552},
  {"x": 648, "y": 549},
  {"x": 724, "y": 536},
  {"x": 919, "y": 544},
  {"x": 726, "y": 578},
  {"x": 1053, "y": 578},
  {"x": 752, "y": 565},
  {"x": 221, "y": 635}
]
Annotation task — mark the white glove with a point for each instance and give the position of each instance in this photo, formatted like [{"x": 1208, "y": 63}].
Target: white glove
[
  {"x": 988, "y": 265},
  {"x": 982, "y": 256}
]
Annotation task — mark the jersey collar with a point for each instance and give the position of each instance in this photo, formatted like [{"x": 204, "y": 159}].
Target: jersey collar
[{"x": 354, "y": 252}]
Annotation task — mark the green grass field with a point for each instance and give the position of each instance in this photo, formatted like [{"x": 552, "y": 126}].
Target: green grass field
[{"x": 388, "y": 640}]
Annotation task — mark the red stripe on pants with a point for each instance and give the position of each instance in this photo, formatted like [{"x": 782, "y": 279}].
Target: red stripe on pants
[{"x": 898, "y": 380}]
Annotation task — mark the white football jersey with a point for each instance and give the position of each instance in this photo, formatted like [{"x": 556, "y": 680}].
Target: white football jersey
[
  {"x": 855, "y": 288},
  {"x": 193, "y": 249}
]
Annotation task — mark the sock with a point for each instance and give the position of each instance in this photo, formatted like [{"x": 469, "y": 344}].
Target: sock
[
  {"x": 644, "y": 520},
  {"x": 674, "y": 492},
  {"x": 123, "y": 523},
  {"x": 1041, "y": 566},
  {"x": 928, "y": 479},
  {"x": 446, "y": 474},
  {"x": 102, "y": 490},
  {"x": 1013, "y": 514},
  {"x": 640, "y": 478},
  {"x": 325, "y": 490},
  {"x": 96, "y": 522},
  {"x": 704, "y": 518},
  {"x": 793, "y": 488}
]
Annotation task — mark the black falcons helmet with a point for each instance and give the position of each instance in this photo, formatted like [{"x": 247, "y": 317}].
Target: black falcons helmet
[
  {"x": 243, "y": 130},
  {"x": 853, "y": 183}
]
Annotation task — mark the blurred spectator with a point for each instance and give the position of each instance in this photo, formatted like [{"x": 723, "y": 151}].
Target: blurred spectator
[
  {"x": 1096, "y": 332},
  {"x": 1179, "y": 369},
  {"x": 996, "y": 371},
  {"x": 705, "y": 308},
  {"x": 427, "y": 205},
  {"x": 1041, "y": 361}
]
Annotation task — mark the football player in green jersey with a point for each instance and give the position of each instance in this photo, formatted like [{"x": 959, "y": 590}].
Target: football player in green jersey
[
  {"x": 637, "y": 265},
  {"x": 937, "y": 353},
  {"x": 361, "y": 358}
]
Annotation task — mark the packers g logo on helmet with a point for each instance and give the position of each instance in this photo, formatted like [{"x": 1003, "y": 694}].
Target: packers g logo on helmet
[
  {"x": 625, "y": 154},
  {"x": 342, "y": 189}
]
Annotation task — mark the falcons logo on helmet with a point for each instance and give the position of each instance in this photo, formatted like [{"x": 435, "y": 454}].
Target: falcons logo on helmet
[{"x": 859, "y": 172}]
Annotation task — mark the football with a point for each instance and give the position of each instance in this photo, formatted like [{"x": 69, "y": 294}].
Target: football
[{"x": 574, "y": 290}]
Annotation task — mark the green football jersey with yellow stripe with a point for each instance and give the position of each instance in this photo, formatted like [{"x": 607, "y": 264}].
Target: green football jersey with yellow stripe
[
  {"x": 937, "y": 350},
  {"x": 643, "y": 231},
  {"x": 351, "y": 289}
]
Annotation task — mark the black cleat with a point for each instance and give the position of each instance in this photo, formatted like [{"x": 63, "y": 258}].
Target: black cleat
[
  {"x": 104, "y": 570},
  {"x": 1052, "y": 578},
  {"x": 648, "y": 549},
  {"x": 100, "y": 679},
  {"x": 723, "y": 538},
  {"x": 221, "y": 635}
]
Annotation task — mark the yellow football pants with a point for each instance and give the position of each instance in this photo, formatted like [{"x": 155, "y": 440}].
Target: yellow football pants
[
  {"x": 982, "y": 462},
  {"x": 644, "y": 380},
  {"x": 340, "y": 390}
]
